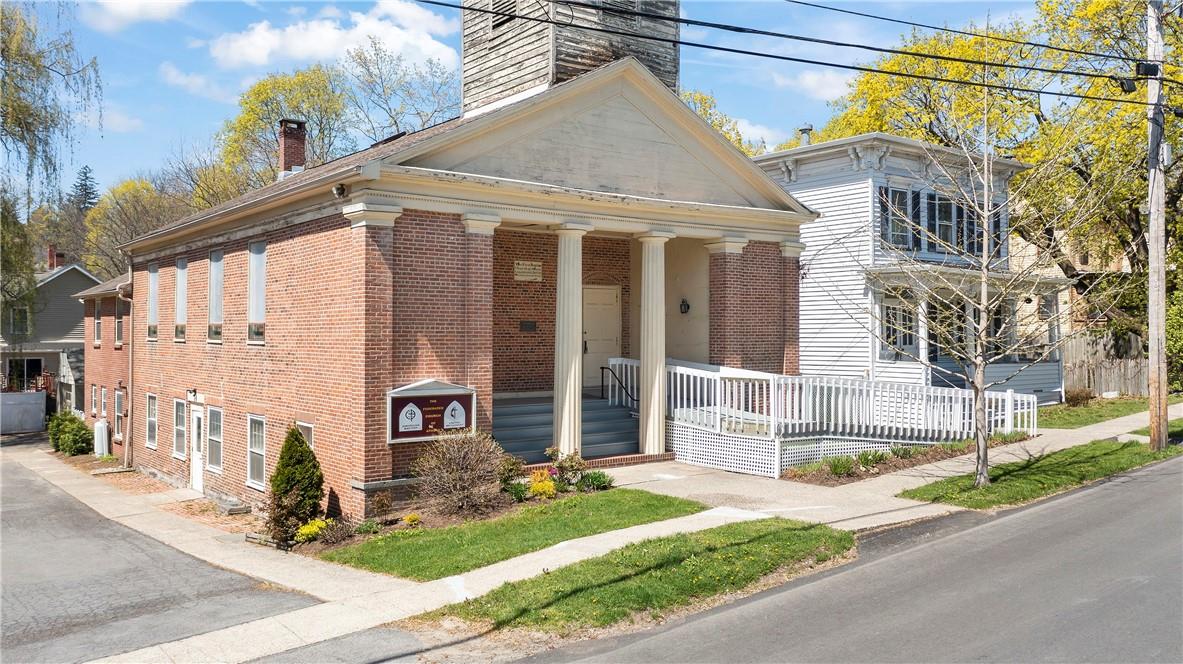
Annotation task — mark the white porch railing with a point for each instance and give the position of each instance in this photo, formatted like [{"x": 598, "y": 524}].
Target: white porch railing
[{"x": 736, "y": 402}]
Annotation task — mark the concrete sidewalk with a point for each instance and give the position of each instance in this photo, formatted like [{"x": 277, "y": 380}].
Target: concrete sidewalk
[
  {"x": 353, "y": 600},
  {"x": 870, "y": 503}
]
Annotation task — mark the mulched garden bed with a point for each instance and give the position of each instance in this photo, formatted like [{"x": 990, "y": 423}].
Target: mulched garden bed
[{"x": 821, "y": 475}]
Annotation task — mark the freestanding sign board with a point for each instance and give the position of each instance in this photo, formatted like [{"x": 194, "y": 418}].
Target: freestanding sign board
[{"x": 422, "y": 410}]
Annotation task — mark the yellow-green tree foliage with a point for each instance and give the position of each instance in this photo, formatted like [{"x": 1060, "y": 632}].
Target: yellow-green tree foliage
[
  {"x": 249, "y": 142},
  {"x": 704, "y": 104},
  {"x": 1098, "y": 148},
  {"x": 127, "y": 210}
]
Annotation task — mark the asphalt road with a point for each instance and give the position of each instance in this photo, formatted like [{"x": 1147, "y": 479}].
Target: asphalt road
[
  {"x": 75, "y": 586},
  {"x": 1092, "y": 576}
]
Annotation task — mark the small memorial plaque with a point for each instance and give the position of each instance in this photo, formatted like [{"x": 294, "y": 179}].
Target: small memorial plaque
[{"x": 527, "y": 270}]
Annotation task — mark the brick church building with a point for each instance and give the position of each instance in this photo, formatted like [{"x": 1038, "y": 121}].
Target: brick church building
[{"x": 479, "y": 272}]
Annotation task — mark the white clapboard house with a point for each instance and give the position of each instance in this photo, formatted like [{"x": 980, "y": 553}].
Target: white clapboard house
[{"x": 857, "y": 262}]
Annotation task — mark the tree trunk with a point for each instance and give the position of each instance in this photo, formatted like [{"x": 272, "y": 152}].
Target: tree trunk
[{"x": 981, "y": 428}]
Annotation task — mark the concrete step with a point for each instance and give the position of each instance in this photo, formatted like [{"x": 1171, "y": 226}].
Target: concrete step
[
  {"x": 547, "y": 406},
  {"x": 617, "y": 424},
  {"x": 505, "y": 421}
]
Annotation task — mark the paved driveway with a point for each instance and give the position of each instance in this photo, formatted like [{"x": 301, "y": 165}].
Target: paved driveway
[{"x": 76, "y": 586}]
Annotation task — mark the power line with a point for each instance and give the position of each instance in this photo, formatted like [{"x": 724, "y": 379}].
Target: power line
[
  {"x": 787, "y": 58},
  {"x": 965, "y": 32},
  {"x": 829, "y": 42}
]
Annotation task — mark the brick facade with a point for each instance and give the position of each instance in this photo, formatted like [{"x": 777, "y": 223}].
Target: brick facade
[
  {"x": 523, "y": 360},
  {"x": 754, "y": 303},
  {"x": 106, "y": 367}
]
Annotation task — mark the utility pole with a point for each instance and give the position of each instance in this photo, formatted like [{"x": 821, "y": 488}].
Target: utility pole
[{"x": 1157, "y": 240}]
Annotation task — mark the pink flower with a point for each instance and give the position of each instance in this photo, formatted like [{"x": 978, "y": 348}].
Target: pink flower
[{"x": 553, "y": 471}]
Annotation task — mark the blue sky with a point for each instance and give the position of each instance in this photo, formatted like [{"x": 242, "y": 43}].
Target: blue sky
[{"x": 172, "y": 70}]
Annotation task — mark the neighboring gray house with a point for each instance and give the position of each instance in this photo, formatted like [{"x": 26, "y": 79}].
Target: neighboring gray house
[{"x": 34, "y": 339}]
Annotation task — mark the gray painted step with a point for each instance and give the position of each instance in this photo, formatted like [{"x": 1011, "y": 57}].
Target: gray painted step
[{"x": 524, "y": 430}]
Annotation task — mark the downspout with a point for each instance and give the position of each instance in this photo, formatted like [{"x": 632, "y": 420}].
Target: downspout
[{"x": 130, "y": 336}]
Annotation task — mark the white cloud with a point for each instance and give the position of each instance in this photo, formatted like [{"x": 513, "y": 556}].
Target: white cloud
[
  {"x": 329, "y": 11},
  {"x": 752, "y": 131},
  {"x": 297, "y": 10},
  {"x": 115, "y": 15},
  {"x": 114, "y": 120},
  {"x": 406, "y": 28},
  {"x": 823, "y": 84},
  {"x": 195, "y": 84}
]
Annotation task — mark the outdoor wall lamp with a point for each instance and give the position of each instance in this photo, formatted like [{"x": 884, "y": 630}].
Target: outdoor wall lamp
[{"x": 684, "y": 307}]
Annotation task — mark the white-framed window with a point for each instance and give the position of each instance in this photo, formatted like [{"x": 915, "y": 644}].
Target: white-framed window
[
  {"x": 94, "y": 399},
  {"x": 305, "y": 430},
  {"x": 257, "y": 292},
  {"x": 150, "y": 422},
  {"x": 119, "y": 414},
  {"x": 98, "y": 321},
  {"x": 895, "y": 207},
  {"x": 178, "y": 428},
  {"x": 898, "y": 329},
  {"x": 153, "y": 300},
  {"x": 20, "y": 323},
  {"x": 214, "y": 330},
  {"x": 103, "y": 403},
  {"x": 118, "y": 322},
  {"x": 256, "y": 452},
  {"x": 181, "y": 298},
  {"x": 946, "y": 223},
  {"x": 213, "y": 439},
  {"x": 948, "y": 328}
]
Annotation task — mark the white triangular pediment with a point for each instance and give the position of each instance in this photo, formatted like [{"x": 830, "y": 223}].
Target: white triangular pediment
[{"x": 621, "y": 134}]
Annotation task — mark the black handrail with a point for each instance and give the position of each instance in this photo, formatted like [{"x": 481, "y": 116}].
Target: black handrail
[{"x": 618, "y": 382}]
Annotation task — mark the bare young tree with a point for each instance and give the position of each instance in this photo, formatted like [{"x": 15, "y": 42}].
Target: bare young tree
[
  {"x": 386, "y": 95},
  {"x": 949, "y": 295}
]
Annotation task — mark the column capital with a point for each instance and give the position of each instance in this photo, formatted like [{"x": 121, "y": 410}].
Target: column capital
[
  {"x": 480, "y": 224},
  {"x": 727, "y": 245},
  {"x": 791, "y": 249},
  {"x": 572, "y": 228},
  {"x": 369, "y": 209},
  {"x": 655, "y": 236}
]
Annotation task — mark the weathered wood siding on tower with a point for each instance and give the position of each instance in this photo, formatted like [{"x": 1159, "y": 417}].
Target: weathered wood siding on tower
[
  {"x": 578, "y": 51},
  {"x": 504, "y": 58},
  {"x": 503, "y": 61}
]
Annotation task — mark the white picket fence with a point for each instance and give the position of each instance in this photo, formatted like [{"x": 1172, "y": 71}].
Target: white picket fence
[{"x": 801, "y": 417}]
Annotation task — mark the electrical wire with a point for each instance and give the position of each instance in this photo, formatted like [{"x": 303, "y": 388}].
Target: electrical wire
[
  {"x": 830, "y": 42},
  {"x": 787, "y": 58},
  {"x": 967, "y": 33}
]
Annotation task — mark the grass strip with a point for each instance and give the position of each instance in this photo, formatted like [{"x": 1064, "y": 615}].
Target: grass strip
[
  {"x": 1061, "y": 416},
  {"x": 427, "y": 554},
  {"x": 654, "y": 576},
  {"x": 1023, "y": 481},
  {"x": 1174, "y": 430}
]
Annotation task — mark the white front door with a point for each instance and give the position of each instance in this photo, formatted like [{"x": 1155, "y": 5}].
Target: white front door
[
  {"x": 197, "y": 448},
  {"x": 601, "y": 330}
]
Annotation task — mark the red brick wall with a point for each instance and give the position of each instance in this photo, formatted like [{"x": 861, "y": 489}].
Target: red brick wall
[
  {"x": 442, "y": 296},
  {"x": 749, "y": 308},
  {"x": 308, "y": 370},
  {"x": 106, "y": 366},
  {"x": 792, "y": 323},
  {"x": 524, "y": 361}
]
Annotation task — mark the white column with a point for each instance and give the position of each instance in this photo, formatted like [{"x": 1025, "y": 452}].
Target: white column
[
  {"x": 569, "y": 338},
  {"x": 652, "y": 395}
]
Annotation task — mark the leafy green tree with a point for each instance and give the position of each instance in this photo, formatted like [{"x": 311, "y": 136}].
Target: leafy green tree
[
  {"x": 1175, "y": 342},
  {"x": 297, "y": 487},
  {"x": 249, "y": 142},
  {"x": 18, "y": 281},
  {"x": 45, "y": 87},
  {"x": 129, "y": 209},
  {"x": 704, "y": 104},
  {"x": 1098, "y": 148}
]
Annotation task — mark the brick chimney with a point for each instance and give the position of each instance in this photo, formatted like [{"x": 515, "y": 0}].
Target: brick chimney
[
  {"x": 51, "y": 258},
  {"x": 292, "y": 138}
]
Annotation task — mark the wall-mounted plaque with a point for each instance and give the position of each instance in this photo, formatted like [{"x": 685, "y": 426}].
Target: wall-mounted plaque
[{"x": 527, "y": 270}]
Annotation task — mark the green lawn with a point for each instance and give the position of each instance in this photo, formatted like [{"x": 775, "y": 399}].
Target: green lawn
[
  {"x": 1061, "y": 416},
  {"x": 1024, "y": 481},
  {"x": 1174, "y": 429},
  {"x": 654, "y": 575},
  {"x": 426, "y": 554}
]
